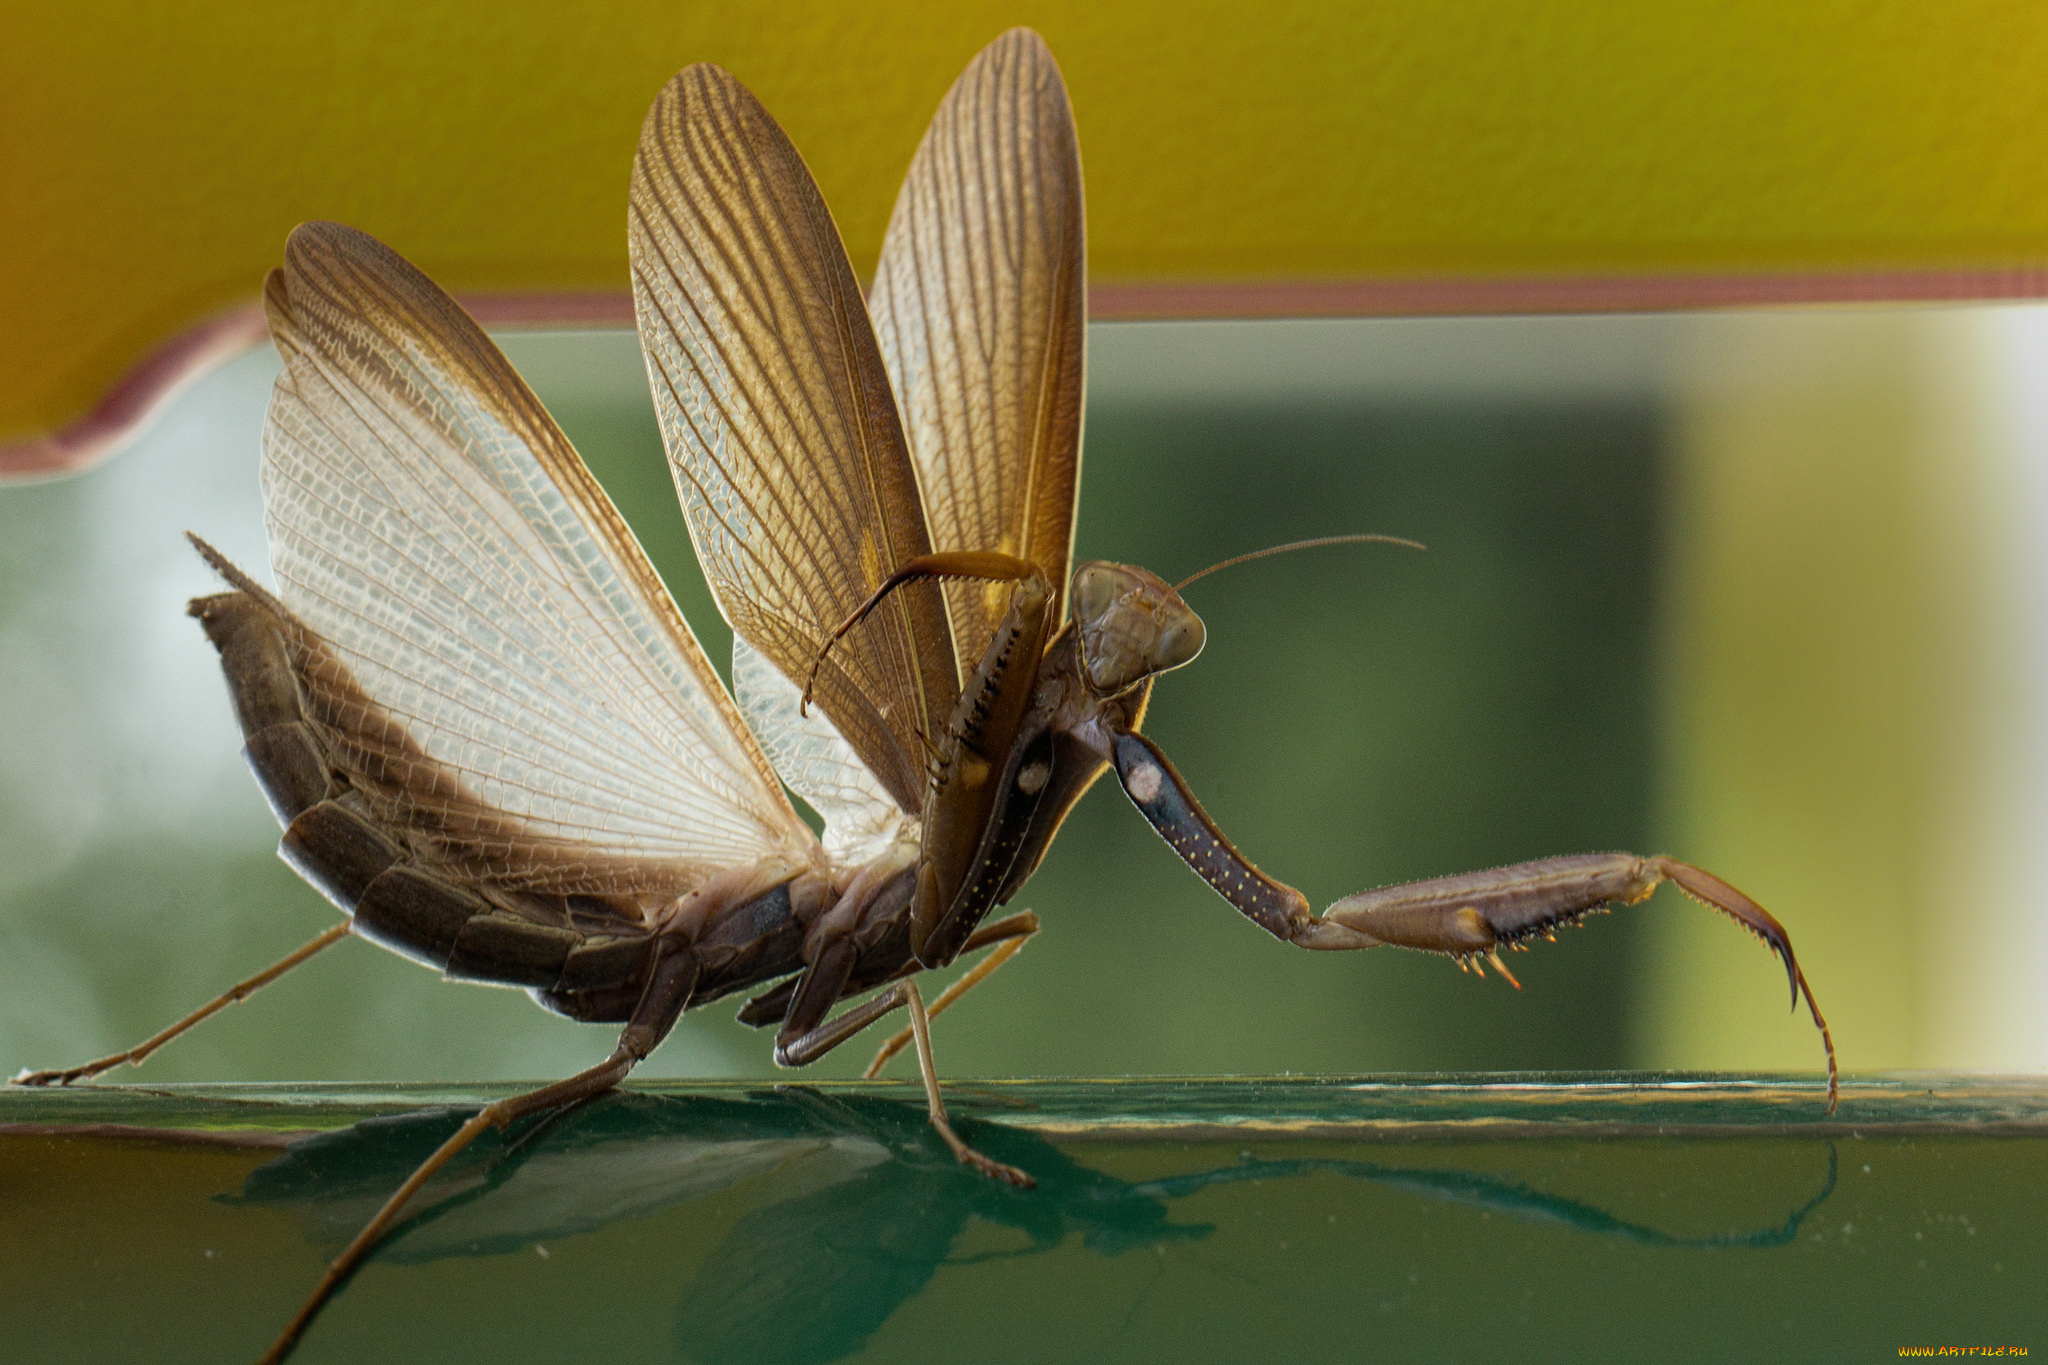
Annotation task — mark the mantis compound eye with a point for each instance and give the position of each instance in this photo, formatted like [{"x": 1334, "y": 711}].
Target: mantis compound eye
[
  {"x": 1095, "y": 590},
  {"x": 1179, "y": 642}
]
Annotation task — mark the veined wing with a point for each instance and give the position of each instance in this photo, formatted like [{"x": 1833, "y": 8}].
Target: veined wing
[
  {"x": 780, "y": 426},
  {"x": 980, "y": 307},
  {"x": 861, "y": 819},
  {"x": 430, "y": 522}
]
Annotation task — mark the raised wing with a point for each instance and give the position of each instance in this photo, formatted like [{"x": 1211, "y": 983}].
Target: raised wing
[
  {"x": 780, "y": 426},
  {"x": 557, "y": 725},
  {"x": 861, "y": 819},
  {"x": 979, "y": 304}
]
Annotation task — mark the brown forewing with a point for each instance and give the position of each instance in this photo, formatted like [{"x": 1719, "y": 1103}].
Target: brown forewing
[
  {"x": 781, "y": 429},
  {"x": 980, "y": 307}
]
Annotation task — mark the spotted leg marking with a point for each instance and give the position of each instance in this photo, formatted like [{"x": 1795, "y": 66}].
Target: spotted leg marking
[{"x": 1469, "y": 916}]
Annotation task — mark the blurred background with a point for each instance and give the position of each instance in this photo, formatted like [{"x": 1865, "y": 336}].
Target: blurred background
[
  {"x": 1759, "y": 589},
  {"x": 1764, "y": 589}
]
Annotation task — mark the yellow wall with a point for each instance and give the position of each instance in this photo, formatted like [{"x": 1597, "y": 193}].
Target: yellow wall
[{"x": 153, "y": 156}]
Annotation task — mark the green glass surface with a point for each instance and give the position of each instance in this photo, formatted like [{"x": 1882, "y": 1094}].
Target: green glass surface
[{"x": 1441, "y": 1217}]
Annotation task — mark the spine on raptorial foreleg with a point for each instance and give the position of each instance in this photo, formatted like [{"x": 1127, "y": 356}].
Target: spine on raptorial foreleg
[{"x": 1475, "y": 912}]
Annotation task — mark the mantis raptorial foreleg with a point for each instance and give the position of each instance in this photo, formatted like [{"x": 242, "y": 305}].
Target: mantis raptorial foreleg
[{"x": 1470, "y": 916}]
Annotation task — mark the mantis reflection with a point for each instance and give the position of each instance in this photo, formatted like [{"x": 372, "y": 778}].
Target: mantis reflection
[{"x": 862, "y": 1206}]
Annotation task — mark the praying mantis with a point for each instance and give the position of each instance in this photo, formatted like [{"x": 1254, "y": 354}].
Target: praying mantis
[{"x": 497, "y": 747}]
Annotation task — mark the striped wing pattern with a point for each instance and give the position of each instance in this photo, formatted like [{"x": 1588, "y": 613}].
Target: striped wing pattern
[
  {"x": 979, "y": 306},
  {"x": 779, "y": 422},
  {"x": 557, "y": 725},
  {"x": 861, "y": 819}
]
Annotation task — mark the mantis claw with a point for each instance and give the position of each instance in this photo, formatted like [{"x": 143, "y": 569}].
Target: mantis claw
[{"x": 1474, "y": 914}]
